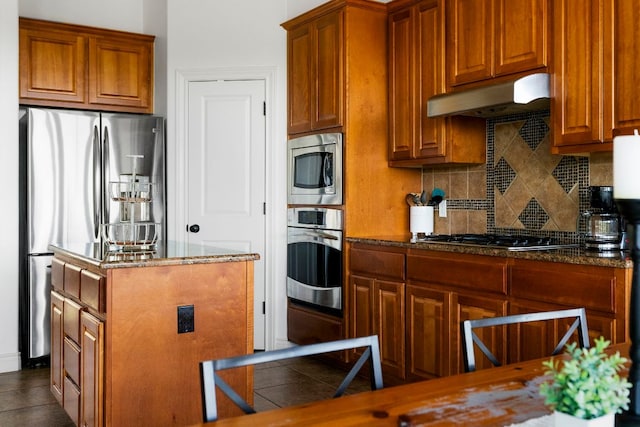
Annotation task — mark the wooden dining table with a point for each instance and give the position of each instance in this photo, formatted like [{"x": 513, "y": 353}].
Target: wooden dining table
[{"x": 498, "y": 396}]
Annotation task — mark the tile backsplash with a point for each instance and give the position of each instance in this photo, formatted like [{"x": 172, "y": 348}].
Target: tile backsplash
[{"x": 523, "y": 188}]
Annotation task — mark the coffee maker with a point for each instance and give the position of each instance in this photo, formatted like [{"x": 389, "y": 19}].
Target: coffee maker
[{"x": 604, "y": 225}]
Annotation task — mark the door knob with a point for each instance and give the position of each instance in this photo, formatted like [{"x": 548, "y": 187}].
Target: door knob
[{"x": 194, "y": 228}]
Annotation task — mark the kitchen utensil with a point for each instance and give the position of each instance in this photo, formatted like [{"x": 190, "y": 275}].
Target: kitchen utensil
[
  {"x": 410, "y": 199},
  {"x": 437, "y": 195},
  {"x": 423, "y": 198}
]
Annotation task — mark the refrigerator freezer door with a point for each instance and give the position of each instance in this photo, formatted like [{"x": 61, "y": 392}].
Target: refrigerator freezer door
[
  {"x": 60, "y": 182},
  {"x": 38, "y": 342},
  {"x": 135, "y": 141}
]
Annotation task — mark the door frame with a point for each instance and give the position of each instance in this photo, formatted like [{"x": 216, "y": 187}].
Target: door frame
[{"x": 178, "y": 157}]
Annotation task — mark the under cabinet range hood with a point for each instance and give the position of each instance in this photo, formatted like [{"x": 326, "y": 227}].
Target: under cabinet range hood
[{"x": 529, "y": 93}]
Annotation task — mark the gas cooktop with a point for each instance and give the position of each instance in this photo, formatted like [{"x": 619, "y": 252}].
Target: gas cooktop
[{"x": 508, "y": 242}]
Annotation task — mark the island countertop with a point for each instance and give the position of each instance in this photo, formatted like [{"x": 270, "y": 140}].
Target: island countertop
[
  {"x": 577, "y": 255},
  {"x": 166, "y": 253}
]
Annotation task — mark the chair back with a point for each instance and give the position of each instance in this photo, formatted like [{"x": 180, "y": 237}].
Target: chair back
[
  {"x": 210, "y": 378},
  {"x": 470, "y": 337}
]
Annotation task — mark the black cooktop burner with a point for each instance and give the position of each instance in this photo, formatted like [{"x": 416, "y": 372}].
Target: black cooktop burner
[{"x": 513, "y": 243}]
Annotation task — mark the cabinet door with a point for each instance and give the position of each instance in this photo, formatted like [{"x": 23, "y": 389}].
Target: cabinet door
[
  {"x": 522, "y": 35},
  {"x": 534, "y": 340},
  {"x": 428, "y": 333},
  {"x": 121, "y": 73},
  {"x": 495, "y": 338},
  {"x": 625, "y": 78},
  {"x": 52, "y": 66},
  {"x": 92, "y": 371},
  {"x": 300, "y": 78},
  {"x": 433, "y": 131},
  {"x": 470, "y": 41},
  {"x": 403, "y": 111},
  {"x": 328, "y": 72},
  {"x": 361, "y": 316},
  {"x": 388, "y": 323},
  {"x": 576, "y": 111},
  {"x": 57, "y": 337}
]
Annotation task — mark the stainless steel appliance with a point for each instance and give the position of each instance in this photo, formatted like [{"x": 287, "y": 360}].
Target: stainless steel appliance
[
  {"x": 506, "y": 242},
  {"x": 603, "y": 222},
  {"x": 314, "y": 172},
  {"x": 314, "y": 257},
  {"x": 68, "y": 161},
  {"x": 528, "y": 93}
]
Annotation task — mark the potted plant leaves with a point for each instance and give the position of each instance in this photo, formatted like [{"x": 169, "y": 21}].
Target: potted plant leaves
[{"x": 586, "y": 389}]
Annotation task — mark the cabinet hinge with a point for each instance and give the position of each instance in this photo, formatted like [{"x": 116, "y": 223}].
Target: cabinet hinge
[
  {"x": 264, "y": 109},
  {"x": 264, "y": 208},
  {"x": 264, "y": 308}
]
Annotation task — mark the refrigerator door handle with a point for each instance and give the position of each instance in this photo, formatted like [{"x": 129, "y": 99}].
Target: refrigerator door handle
[
  {"x": 105, "y": 175},
  {"x": 97, "y": 184}
]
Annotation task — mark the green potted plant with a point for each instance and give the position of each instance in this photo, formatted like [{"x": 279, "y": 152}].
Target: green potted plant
[{"x": 586, "y": 388}]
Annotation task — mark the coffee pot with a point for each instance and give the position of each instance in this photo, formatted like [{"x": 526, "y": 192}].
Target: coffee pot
[{"x": 603, "y": 222}]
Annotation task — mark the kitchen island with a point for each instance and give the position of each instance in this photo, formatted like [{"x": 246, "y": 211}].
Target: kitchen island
[{"x": 130, "y": 328}]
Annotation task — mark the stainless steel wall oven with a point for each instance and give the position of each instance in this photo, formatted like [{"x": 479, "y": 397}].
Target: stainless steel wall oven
[{"x": 314, "y": 257}]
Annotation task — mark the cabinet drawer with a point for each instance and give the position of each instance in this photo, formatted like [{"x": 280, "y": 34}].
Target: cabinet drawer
[
  {"x": 71, "y": 400},
  {"x": 92, "y": 290},
  {"x": 377, "y": 263},
  {"x": 474, "y": 272},
  {"x": 72, "y": 360},
  {"x": 571, "y": 285},
  {"x": 57, "y": 274},
  {"x": 72, "y": 280},
  {"x": 71, "y": 316}
]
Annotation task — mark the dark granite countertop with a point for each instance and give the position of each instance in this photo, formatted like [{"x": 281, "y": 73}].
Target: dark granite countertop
[
  {"x": 576, "y": 255},
  {"x": 165, "y": 253}
]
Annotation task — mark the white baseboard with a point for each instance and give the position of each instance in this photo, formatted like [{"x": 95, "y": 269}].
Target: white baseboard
[{"x": 10, "y": 362}]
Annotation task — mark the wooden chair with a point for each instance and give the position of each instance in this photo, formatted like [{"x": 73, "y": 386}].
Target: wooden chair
[
  {"x": 470, "y": 337},
  {"x": 210, "y": 378}
]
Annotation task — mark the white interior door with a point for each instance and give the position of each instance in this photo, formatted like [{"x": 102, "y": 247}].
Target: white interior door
[{"x": 226, "y": 173}]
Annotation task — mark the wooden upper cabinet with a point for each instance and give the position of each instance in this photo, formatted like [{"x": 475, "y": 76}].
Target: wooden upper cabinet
[
  {"x": 120, "y": 73},
  {"x": 625, "y": 63},
  {"x": 594, "y": 63},
  {"x": 416, "y": 73},
  {"x": 577, "y": 86},
  {"x": 495, "y": 38},
  {"x": 52, "y": 65},
  {"x": 73, "y": 66},
  {"x": 314, "y": 55}
]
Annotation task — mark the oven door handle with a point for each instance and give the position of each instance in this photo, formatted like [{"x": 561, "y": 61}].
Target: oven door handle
[{"x": 319, "y": 235}]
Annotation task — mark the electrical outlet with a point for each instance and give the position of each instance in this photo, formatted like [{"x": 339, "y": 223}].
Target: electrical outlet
[
  {"x": 442, "y": 209},
  {"x": 186, "y": 319}
]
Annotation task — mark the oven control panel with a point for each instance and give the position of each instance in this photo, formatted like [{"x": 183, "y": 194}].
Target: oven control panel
[{"x": 325, "y": 218}]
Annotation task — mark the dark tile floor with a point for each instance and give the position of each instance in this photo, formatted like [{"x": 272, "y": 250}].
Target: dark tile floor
[{"x": 25, "y": 399}]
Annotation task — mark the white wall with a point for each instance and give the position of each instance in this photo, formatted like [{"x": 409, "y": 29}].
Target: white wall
[
  {"x": 9, "y": 357},
  {"x": 124, "y": 15}
]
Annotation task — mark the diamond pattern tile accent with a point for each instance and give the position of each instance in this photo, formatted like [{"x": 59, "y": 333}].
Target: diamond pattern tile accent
[
  {"x": 503, "y": 175},
  {"x": 533, "y": 216},
  {"x": 566, "y": 173},
  {"x": 534, "y": 131}
]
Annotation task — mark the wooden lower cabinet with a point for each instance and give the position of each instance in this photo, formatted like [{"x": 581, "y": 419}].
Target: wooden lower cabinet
[
  {"x": 118, "y": 357},
  {"x": 442, "y": 289},
  {"x": 57, "y": 376},
  {"x": 92, "y": 370},
  {"x": 428, "y": 333},
  {"x": 468, "y": 307},
  {"x": 378, "y": 309}
]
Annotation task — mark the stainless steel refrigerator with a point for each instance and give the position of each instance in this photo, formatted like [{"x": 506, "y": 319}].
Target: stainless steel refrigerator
[{"x": 68, "y": 158}]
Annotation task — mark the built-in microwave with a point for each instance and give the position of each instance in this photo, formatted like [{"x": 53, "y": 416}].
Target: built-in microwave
[{"x": 314, "y": 171}]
